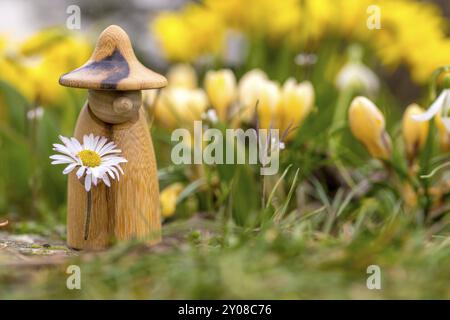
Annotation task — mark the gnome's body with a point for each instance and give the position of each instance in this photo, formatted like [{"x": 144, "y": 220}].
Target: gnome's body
[{"x": 130, "y": 207}]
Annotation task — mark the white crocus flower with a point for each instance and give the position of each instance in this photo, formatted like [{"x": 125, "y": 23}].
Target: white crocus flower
[
  {"x": 440, "y": 105},
  {"x": 357, "y": 74},
  {"x": 96, "y": 159}
]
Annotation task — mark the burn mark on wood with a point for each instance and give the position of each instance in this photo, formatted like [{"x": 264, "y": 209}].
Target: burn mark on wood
[
  {"x": 113, "y": 68},
  {"x": 117, "y": 68}
]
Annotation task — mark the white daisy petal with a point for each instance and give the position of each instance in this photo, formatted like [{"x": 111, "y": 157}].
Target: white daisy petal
[
  {"x": 86, "y": 142},
  {"x": 76, "y": 145},
  {"x": 65, "y": 140},
  {"x": 80, "y": 172},
  {"x": 118, "y": 167},
  {"x": 87, "y": 183},
  {"x": 106, "y": 148},
  {"x": 61, "y": 157},
  {"x": 92, "y": 141},
  {"x": 96, "y": 140},
  {"x": 117, "y": 175},
  {"x": 111, "y": 173},
  {"x": 95, "y": 172},
  {"x": 111, "y": 152},
  {"x": 69, "y": 168},
  {"x": 63, "y": 149},
  {"x": 94, "y": 180},
  {"x": 72, "y": 145},
  {"x": 100, "y": 144},
  {"x": 109, "y": 159},
  {"x": 60, "y": 162},
  {"x": 106, "y": 180}
]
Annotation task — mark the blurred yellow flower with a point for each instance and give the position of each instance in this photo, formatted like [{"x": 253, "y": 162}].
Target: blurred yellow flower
[
  {"x": 222, "y": 90},
  {"x": 352, "y": 16},
  {"x": 174, "y": 37},
  {"x": 320, "y": 14},
  {"x": 444, "y": 135},
  {"x": 297, "y": 101},
  {"x": 50, "y": 53},
  {"x": 368, "y": 126},
  {"x": 269, "y": 103},
  {"x": 405, "y": 24},
  {"x": 249, "y": 88},
  {"x": 199, "y": 29},
  {"x": 414, "y": 132},
  {"x": 259, "y": 17},
  {"x": 13, "y": 71},
  {"x": 182, "y": 75},
  {"x": 180, "y": 107},
  {"x": 277, "y": 108},
  {"x": 189, "y": 34},
  {"x": 408, "y": 194},
  {"x": 168, "y": 199}
]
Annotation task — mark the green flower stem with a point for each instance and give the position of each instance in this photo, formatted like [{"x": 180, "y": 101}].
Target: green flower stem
[
  {"x": 32, "y": 125},
  {"x": 339, "y": 121},
  {"x": 87, "y": 221}
]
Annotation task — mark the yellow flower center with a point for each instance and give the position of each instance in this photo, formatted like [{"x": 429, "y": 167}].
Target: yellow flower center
[{"x": 89, "y": 158}]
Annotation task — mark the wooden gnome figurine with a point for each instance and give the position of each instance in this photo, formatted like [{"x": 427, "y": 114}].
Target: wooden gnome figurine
[{"x": 130, "y": 207}]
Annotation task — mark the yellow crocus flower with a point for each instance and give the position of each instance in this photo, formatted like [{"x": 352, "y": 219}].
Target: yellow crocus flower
[
  {"x": 297, "y": 102},
  {"x": 173, "y": 37},
  {"x": 249, "y": 89},
  {"x": 368, "y": 126},
  {"x": 168, "y": 199},
  {"x": 444, "y": 135},
  {"x": 14, "y": 72},
  {"x": 186, "y": 35},
  {"x": 269, "y": 102},
  {"x": 222, "y": 90},
  {"x": 180, "y": 107},
  {"x": 48, "y": 54},
  {"x": 264, "y": 17},
  {"x": 182, "y": 75},
  {"x": 278, "y": 108},
  {"x": 414, "y": 132}
]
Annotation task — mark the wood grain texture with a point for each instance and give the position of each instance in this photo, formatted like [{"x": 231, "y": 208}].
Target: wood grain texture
[
  {"x": 113, "y": 66},
  {"x": 115, "y": 106},
  {"x": 130, "y": 207},
  {"x": 137, "y": 210}
]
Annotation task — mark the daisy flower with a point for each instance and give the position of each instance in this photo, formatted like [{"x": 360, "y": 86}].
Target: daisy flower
[{"x": 96, "y": 159}]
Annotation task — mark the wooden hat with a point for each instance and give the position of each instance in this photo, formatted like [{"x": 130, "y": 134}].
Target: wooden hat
[{"x": 113, "y": 66}]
